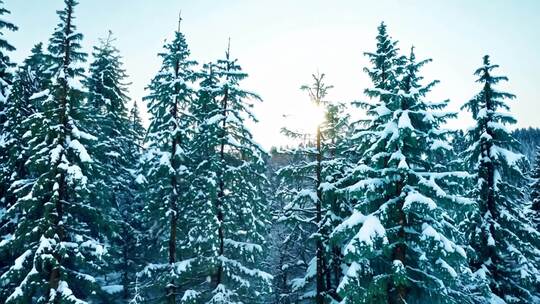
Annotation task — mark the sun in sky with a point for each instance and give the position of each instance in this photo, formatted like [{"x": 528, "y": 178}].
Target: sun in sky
[{"x": 303, "y": 118}]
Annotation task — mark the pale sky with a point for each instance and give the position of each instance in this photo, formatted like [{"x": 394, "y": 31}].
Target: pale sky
[{"x": 281, "y": 43}]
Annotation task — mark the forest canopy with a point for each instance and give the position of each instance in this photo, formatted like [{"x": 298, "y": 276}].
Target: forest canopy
[{"x": 97, "y": 206}]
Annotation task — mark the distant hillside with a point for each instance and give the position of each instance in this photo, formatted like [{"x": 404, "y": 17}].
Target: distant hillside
[{"x": 530, "y": 140}]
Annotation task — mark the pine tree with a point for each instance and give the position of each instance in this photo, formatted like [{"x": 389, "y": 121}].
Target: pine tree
[
  {"x": 5, "y": 88},
  {"x": 401, "y": 242},
  {"x": 30, "y": 79},
  {"x": 8, "y": 147},
  {"x": 535, "y": 191},
  {"x": 336, "y": 130},
  {"x": 116, "y": 155},
  {"x": 171, "y": 92},
  {"x": 200, "y": 212},
  {"x": 228, "y": 191},
  {"x": 503, "y": 241},
  {"x": 58, "y": 238},
  {"x": 311, "y": 206}
]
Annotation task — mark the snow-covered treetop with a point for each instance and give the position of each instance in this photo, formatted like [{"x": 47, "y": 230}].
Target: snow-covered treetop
[
  {"x": 235, "y": 106},
  {"x": 490, "y": 111},
  {"x": 106, "y": 85},
  {"x": 174, "y": 80},
  {"x": 489, "y": 100},
  {"x": 386, "y": 62},
  {"x": 65, "y": 44}
]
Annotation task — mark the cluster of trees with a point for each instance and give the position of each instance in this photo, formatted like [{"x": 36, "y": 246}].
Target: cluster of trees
[
  {"x": 89, "y": 215},
  {"x": 95, "y": 208},
  {"x": 394, "y": 208}
]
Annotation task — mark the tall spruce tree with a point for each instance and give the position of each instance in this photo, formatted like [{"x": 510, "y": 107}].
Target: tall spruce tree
[
  {"x": 30, "y": 79},
  {"x": 504, "y": 243},
  {"x": 228, "y": 191},
  {"x": 336, "y": 130},
  {"x": 171, "y": 92},
  {"x": 312, "y": 210},
  {"x": 5, "y": 89},
  {"x": 401, "y": 242},
  {"x": 59, "y": 234},
  {"x": 8, "y": 148},
  {"x": 200, "y": 212},
  {"x": 116, "y": 156}
]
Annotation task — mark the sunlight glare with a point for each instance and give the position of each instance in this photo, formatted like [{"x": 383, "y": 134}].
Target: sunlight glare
[{"x": 307, "y": 118}]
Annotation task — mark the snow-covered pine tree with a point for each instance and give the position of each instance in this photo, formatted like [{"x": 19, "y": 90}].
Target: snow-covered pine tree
[
  {"x": 387, "y": 66},
  {"x": 6, "y": 152},
  {"x": 228, "y": 191},
  {"x": 58, "y": 236},
  {"x": 401, "y": 243},
  {"x": 5, "y": 87},
  {"x": 535, "y": 191},
  {"x": 299, "y": 214},
  {"x": 135, "y": 211},
  {"x": 167, "y": 183},
  {"x": 336, "y": 131},
  {"x": 504, "y": 243},
  {"x": 115, "y": 154},
  {"x": 200, "y": 209},
  {"x": 30, "y": 78},
  {"x": 311, "y": 208}
]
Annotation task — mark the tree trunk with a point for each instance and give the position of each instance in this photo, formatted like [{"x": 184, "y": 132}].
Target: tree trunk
[
  {"x": 171, "y": 288},
  {"x": 400, "y": 294},
  {"x": 319, "y": 298},
  {"x": 221, "y": 193},
  {"x": 490, "y": 197},
  {"x": 173, "y": 204},
  {"x": 54, "y": 276}
]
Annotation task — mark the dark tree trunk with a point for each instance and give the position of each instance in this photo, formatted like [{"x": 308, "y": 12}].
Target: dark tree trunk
[
  {"x": 54, "y": 276},
  {"x": 221, "y": 193},
  {"x": 490, "y": 196},
  {"x": 400, "y": 292},
  {"x": 173, "y": 203},
  {"x": 319, "y": 298}
]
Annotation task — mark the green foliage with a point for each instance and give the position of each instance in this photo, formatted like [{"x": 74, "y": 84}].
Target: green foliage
[
  {"x": 401, "y": 242},
  {"x": 116, "y": 155},
  {"x": 57, "y": 239},
  {"x": 166, "y": 171},
  {"x": 503, "y": 241},
  {"x": 391, "y": 208},
  {"x": 228, "y": 187},
  {"x": 312, "y": 207}
]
